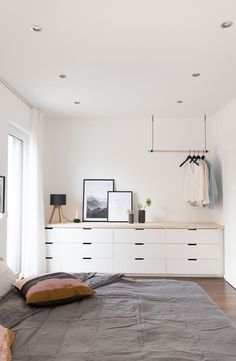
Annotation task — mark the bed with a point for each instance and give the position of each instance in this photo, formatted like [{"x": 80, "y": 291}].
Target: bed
[{"x": 126, "y": 320}]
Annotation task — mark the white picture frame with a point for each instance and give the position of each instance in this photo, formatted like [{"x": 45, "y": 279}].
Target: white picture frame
[{"x": 119, "y": 204}]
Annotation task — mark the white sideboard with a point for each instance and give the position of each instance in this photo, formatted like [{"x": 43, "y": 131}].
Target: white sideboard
[{"x": 151, "y": 248}]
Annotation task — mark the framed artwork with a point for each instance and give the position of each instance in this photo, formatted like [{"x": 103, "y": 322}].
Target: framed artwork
[
  {"x": 95, "y": 207},
  {"x": 2, "y": 194},
  {"x": 118, "y": 205}
]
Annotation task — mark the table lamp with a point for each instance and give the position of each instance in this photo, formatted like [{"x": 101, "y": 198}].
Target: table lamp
[{"x": 57, "y": 200}]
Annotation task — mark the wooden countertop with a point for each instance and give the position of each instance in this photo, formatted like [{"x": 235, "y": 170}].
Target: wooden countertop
[{"x": 147, "y": 225}]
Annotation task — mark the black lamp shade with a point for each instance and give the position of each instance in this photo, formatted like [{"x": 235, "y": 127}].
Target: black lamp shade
[{"x": 57, "y": 199}]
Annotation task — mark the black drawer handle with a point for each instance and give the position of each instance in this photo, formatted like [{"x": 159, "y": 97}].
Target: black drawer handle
[
  {"x": 192, "y": 244},
  {"x": 139, "y": 244},
  {"x": 87, "y": 257},
  {"x": 87, "y": 243},
  {"x": 87, "y": 228},
  {"x": 139, "y": 229},
  {"x": 48, "y": 227},
  {"x": 192, "y": 259},
  {"x": 139, "y": 259},
  {"x": 49, "y": 257},
  {"x": 192, "y": 229},
  {"x": 48, "y": 242}
]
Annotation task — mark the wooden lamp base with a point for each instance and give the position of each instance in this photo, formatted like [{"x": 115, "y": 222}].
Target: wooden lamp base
[{"x": 59, "y": 208}]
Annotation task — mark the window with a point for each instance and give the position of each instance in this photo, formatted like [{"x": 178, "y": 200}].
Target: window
[{"x": 15, "y": 199}]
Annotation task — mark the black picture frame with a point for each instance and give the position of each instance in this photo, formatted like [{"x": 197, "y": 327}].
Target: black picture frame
[
  {"x": 2, "y": 194},
  {"x": 95, "y": 207},
  {"x": 119, "y": 203}
]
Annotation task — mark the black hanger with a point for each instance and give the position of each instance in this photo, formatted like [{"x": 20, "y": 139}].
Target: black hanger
[
  {"x": 188, "y": 158},
  {"x": 198, "y": 156},
  {"x": 194, "y": 159},
  {"x": 203, "y": 156}
]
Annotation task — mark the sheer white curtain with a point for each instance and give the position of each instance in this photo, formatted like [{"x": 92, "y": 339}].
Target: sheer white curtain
[
  {"x": 33, "y": 255},
  {"x": 14, "y": 202}
]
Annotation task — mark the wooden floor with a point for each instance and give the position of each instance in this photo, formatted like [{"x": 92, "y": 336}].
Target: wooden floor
[{"x": 218, "y": 289}]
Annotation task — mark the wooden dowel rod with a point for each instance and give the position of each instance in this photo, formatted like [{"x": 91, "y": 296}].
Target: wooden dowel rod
[{"x": 179, "y": 151}]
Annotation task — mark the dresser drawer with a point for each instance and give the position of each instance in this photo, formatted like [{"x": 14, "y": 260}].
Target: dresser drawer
[
  {"x": 139, "y": 235},
  {"x": 53, "y": 265},
  {"x": 79, "y": 265},
  {"x": 193, "y": 250},
  {"x": 145, "y": 250},
  {"x": 194, "y": 267},
  {"x": 139, "y": 265},
  {"x": 76, "y": 235},
  {"x": 86, "y": 249},
  {"x": 207, "y": 236},
  {"x": 88, "y": 265}
]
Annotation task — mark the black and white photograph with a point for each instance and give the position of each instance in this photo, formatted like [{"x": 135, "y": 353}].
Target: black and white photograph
[
  {"x": 95, "y": 192},
  {"x": 119, "y": 204},
  {"x": 2, "y": 194}
]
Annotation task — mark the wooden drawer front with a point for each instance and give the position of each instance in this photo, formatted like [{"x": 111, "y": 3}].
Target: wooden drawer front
[
  {"x": 193, "y": 250},
  {"x": 139, "y": 265},
  {"x": 139, "y": 250},
  {"x": 198, "y": 267},
  {"x": 79, "y": 265},
  {"x": 207, "y": 236},
  {"x": 139, "y": 235},
  {"x": 86, "y": 249},
  {"x": 79, "y": 235}
]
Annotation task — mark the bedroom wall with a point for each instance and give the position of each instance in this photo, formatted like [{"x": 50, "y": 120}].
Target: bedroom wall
[
  {"x": 118, "y": 148},
  {"x": 224, "y": 134},
  {"x": 14, "y": 111}
]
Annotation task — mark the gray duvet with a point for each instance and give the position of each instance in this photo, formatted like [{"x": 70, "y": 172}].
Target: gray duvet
[{"x": 125, "y": 321}]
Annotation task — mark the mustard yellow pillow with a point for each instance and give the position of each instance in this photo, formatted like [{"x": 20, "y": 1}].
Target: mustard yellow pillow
[
  {"x": 6, "y": 341},
  {"x": 52, "y": 289}
]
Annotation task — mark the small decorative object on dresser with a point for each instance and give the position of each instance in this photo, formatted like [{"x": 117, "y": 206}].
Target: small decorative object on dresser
[
  {"x": 2, "y": 194},
  {"x": 95, "y": 199},
  {"x": 131, "y": 215},
  {"x": 118, "y": 203},
  {"x": 76, "y": 220},
  {"x": 57, "y": 200},
  {"x": 142, "y": 210}
]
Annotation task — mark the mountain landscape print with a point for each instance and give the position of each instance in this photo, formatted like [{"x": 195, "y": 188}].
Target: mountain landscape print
[{"x": 95, "y": 207}]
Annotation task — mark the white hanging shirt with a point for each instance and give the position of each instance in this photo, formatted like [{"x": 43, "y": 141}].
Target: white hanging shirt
[
  {"x": 196, "y": 184},
  {"x": 206, "y": 199},
  {"x": 193, "y": 183}
]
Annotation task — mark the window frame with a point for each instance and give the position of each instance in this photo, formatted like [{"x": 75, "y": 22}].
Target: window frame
[{"x": 22, "y": 135}]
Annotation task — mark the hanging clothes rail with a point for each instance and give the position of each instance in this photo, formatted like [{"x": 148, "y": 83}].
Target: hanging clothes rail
[
  {"x": 179, "y": 151},
  {"x": 205, "y": 150}
]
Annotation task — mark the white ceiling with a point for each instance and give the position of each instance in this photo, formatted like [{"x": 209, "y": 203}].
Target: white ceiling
[{"x": 123, "y": 58}]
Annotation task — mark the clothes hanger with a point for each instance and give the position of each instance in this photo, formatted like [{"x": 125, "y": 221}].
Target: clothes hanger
[
  {"x": 198, "y": 156},
  {"x": 194, "y": 158},
  {"x": 188, "y": 158}
]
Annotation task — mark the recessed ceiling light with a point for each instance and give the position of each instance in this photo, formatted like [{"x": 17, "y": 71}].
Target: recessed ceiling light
[
  {"x": 226, "y": 24},
  {"x": 180, "y": 101},
  {"x": 36, "y": 28},
  {"x": 196, "y": 75},
  {"x": 76, "y": 102},
  {"x": 63, "y": 76}
]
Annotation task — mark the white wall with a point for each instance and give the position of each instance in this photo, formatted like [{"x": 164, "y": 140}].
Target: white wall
[
  {"x": 118, "y": 148},
  {"x": 224, "y": 128},
  {"x": 11, "y": 110}
]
